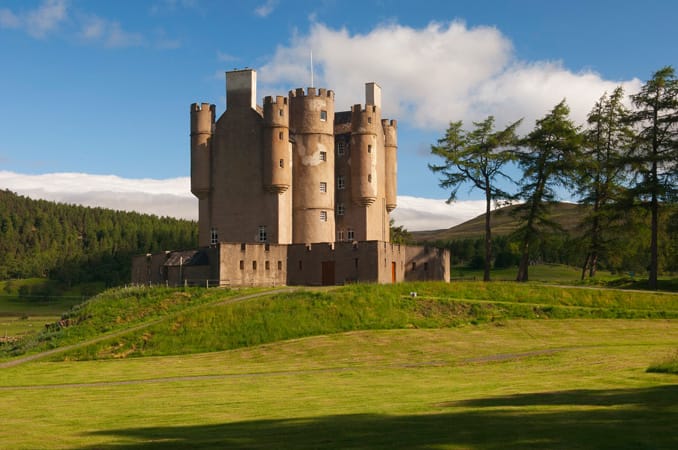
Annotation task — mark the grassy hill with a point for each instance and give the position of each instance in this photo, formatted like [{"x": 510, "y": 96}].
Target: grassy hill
[
  {"x": 461, "y": 365},
  {"x": 155, "y": 321},
  {"x": 567, "y": 215}
]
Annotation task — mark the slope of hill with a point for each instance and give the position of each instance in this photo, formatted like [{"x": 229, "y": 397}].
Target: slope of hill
[
  {"x": 142, "y": 321},
  {"x": 69, "y": 243},
  {"x": 567, "y": 215}
]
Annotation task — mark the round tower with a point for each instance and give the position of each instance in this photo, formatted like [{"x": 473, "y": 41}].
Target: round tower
[
  {"x": 312, "y": 127},
  {"x": 364, "y": 132},
  {"x": 390, "y": 148},
  {"x": 277, "y": 163},
  {"x": 202, "y": 129}
]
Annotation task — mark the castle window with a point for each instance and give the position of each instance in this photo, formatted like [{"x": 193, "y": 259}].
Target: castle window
[
  {"x": 279, "y": 265},
  {"x": 254, "y": 265},
  {"x": 351, "y": 234},
  {"x": 340, "y": 235},
  {"x": 262, "y": 234},
  {"x": 323, "y": 186},
  {"x": 281, "y": 135},
  {"x": 281, "y": 112},
  {"x": 414, "y": 265},
  {"x": 242, "y": 265},
  {"x": 340, "y": 148},
  {"x": 267, "y": 265},
  {"x": 340, "y": 209},
  {"x": 300, "y": 266},
  {"x": 323, "y": 156},
  {"x": 369, "y": 120},
  {"x": 425, "y": 266},
  {"x": 369, "y": 149},
  {"x": 323, "y": 116},
  {"x": 355, "y": 261},
  {"x": 323, "y": 216},
  {"x": 282, "y": 163},
  {"x": 369, "y": 177},
  {"x": 341, "y": 182},
  {"x": 214, "y": 236}
]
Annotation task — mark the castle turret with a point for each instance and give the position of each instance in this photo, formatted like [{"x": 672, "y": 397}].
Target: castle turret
[
  {"x": 202, "y": 129},
  {"x": 202, "y": 133},
  {"x": 364, "y": 147},
  {"x": 312, "y": 126},
  {"x": 390, "y": 147},
  {"x": 277, "y": 154}
]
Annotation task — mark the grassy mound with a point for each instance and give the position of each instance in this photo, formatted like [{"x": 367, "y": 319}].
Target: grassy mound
[
  {"x": 214, "y": 327},
  {"x": 114, "y": 310}
]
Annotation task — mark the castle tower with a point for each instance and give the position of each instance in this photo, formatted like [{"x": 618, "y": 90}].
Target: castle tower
[
  {"x": 312, "y": 128},
  {"x": 277, "y": 147},
  {"x": 202, "y": 130},
  {"x": 390, "y": 148},
  {"x": 364, "y": 149}
]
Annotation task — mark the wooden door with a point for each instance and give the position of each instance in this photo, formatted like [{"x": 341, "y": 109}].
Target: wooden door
[
  {"x": 327, "y": 273},
  {"x": 393, "y": 271}
]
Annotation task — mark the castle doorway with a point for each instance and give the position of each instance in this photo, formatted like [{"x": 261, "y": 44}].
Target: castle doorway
[
  {"x": 327, "y": 273},
  {"x": 393, "y": 271}
]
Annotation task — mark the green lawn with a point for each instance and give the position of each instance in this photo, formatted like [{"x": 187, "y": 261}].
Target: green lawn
[{"x": 520, "y": 384}]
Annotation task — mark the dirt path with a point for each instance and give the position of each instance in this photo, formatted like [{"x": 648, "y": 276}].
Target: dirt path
[{"x": 56, "y": 351}]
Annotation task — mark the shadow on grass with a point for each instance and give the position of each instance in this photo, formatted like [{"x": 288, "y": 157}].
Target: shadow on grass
[{"x": 583, "y": 419}]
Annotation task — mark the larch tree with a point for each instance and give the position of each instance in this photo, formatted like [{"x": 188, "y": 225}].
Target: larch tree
[
  {"x": 655, "y": 161},
  {"x": 547, "y": 158},
  {"x": 601, "y": 174},
  {"x": 477, "y": 158}
]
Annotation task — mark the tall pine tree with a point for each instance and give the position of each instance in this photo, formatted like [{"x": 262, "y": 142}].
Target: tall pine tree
[
  {"x": 476, "y": 157},
  {"x": 601, "y": 174},
  {"x": 655, "y": 160},
  {"x": 547, "y": 159}
]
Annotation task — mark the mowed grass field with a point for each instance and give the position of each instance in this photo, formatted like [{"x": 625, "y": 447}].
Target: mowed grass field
[{"x": 531, "y": 382}]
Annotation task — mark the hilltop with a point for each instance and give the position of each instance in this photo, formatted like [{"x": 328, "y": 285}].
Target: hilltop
[{"x": 567, "y": 215}]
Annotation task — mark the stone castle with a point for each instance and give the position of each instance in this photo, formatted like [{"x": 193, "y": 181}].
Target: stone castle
[{"x": 292, "y": 193}]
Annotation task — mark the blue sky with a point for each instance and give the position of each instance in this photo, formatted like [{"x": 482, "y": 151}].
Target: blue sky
[{"x": 102, "y": 89}]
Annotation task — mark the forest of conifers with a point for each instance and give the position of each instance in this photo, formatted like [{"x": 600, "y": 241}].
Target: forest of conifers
[{"x": 74, "y": 244}]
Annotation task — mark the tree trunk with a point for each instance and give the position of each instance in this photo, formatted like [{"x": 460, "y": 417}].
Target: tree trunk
[
  {"x": 654, "y": 259},
  {"x": 524, "y": 262},
  {"x": 488, "y": 235},
  {"x": 594, "y": 264},
  {"x": 585, "y": 266}
]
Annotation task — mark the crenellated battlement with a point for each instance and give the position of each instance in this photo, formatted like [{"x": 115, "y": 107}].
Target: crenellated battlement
[
  {"x": 280, "y": 101},
  {"x": 389, "y": 123},
  {"x": 365, "y": 120},
  {"x": 195, "y": 107},
  {"x": 312, "y": 92},
  {"x": 368, "y": 108},
  {"x": 276, "y": 111}
]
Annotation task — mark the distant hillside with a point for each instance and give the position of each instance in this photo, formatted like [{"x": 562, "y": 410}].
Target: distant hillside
[
  {"x": 567, "y": 215},
  {"x": 69, "y": 243}
]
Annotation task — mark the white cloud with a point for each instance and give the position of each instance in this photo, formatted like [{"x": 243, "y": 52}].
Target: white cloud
[
  {"x": 37, "y": 22},
  {"x": 46, "y": 18},
  {"x": 417, "y": 214},
  {"x": 266, "y": 8},
  {"x": 109, "y": 33},
  {"x": 172, "y": 197},
  {"x": 436, "y": 74}
]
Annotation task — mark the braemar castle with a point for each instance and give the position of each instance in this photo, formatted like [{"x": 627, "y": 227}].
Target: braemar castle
[{"x": 292, "y": 193}]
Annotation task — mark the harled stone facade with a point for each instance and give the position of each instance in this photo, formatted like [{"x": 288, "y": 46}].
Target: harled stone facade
[{"x": 293, "y": 193}]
